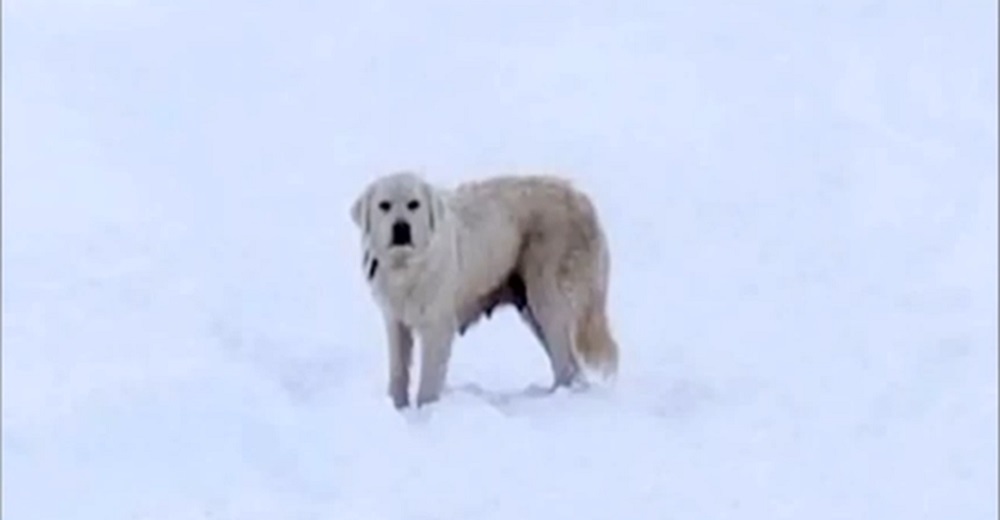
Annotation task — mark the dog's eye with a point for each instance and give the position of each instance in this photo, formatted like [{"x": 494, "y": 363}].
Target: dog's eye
[
  {"x": 384, "y": 205},
  {"x": 413, "y": 205}
]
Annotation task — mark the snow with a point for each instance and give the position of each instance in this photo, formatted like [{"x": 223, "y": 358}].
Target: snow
[{"x": 801, "y": 199}]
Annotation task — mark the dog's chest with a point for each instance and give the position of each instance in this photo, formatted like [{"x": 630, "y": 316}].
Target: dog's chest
[{"x": 410, "y": 299}]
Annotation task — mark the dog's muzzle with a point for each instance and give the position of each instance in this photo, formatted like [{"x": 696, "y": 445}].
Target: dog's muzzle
[{"x": 401, "y": 234}]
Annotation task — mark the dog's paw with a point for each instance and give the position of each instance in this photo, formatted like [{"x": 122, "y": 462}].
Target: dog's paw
[
  {"x": 398, "y": 394},
  {"x": 424, "y": 401}
]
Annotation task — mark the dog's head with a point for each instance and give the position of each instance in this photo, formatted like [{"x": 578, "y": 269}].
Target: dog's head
[{"x": 398, "y": 215}]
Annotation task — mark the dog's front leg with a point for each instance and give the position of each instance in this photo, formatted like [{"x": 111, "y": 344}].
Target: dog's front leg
[
  {"x": 435, "y": 352},
  {"x": 400, "y": 356}
]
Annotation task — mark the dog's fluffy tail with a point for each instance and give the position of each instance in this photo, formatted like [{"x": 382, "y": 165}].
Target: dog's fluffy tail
[{"x": 594, "y": 343}]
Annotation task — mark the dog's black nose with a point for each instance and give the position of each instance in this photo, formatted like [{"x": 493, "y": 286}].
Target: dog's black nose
[{"x": 401, "y": 233}]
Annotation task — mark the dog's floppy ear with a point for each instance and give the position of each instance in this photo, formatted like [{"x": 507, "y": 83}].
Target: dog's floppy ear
[{"x": 359, "y": 211}]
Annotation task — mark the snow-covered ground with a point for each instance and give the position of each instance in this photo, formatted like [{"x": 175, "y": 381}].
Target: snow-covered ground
[{"x": 801, "y": 199}]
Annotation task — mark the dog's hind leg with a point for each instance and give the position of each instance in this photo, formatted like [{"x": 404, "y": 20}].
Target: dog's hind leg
[
  {"x": 529, "y": 319},
  {"x": 518, "y": 295},
  {"x": 549, "y": 311}
]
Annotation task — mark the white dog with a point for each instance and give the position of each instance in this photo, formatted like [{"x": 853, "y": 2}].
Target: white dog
[{"x": 437, "y": 260}]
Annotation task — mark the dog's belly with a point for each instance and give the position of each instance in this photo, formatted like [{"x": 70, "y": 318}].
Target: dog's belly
[
  {"x": 511, "y": 291},
  {"x": 489, "y": 247}
]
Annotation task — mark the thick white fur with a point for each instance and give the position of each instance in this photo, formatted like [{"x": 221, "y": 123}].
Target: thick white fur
[{"x": 467, "y": 242}]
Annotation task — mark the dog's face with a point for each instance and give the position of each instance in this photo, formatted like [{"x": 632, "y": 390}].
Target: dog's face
[{"x": 398, "y": 215}]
